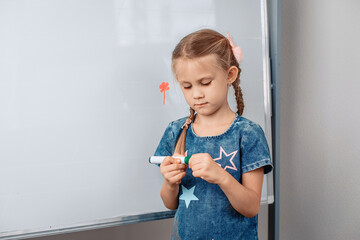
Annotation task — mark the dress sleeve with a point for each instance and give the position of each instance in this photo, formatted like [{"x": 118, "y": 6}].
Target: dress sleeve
[
  {"x": 254, "y": 149},
  {"x": 166, "y": 145}
]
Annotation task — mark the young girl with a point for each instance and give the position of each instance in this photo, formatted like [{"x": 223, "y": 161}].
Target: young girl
[{"x": 217, "y": 196}]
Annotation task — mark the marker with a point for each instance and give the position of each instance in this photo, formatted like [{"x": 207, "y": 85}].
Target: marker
[{"x": 160, "y": 159}]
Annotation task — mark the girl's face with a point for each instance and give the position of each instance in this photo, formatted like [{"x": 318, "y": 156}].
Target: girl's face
[{"x": 204, "y": 85}]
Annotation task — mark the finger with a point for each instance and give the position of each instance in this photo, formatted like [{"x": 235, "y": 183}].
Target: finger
[
  {"x": 174, "y": 167},
  {"x": 177, "y": 178},
  {"x": 164, "y": 170},
  {"x": 175, "y": 172},
  {"x": 194, "y": 161},
  {"x": 197, "y": 173},
  {"x": 175, "y": 160},
  {"x": 197, "y": 167},
  {"x": 175, "y": 155},
  {"x": 167, "y": 161},
  {"x": 181, "y": 177}
]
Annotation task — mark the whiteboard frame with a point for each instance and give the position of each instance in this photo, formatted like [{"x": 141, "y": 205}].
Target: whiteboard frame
[
  {"x": 123, "y": 220},
  {"x": 104, "y": 223},
  {"x": 267, "y": 94}
]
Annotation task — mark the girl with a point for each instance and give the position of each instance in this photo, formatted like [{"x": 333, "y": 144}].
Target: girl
[{"x": 217, "y": 196}]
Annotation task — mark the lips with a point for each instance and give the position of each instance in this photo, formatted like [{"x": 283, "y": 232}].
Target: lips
[{"x": 200, "y": 104}]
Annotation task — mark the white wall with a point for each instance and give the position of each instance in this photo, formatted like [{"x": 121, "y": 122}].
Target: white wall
[{"x": 320, "y": 127}]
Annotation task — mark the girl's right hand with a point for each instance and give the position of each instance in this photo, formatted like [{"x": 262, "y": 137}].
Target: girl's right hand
[{"x": 173, "y": 170}]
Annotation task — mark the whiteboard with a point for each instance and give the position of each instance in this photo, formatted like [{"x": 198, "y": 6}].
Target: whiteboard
[{"x": 81, "y": 110}]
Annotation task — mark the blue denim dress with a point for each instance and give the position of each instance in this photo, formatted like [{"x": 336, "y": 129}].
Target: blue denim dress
[{"x": 204, "y": 212}]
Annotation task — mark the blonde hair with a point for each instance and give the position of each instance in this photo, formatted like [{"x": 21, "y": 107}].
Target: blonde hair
[{"x": 199, "y": 44}]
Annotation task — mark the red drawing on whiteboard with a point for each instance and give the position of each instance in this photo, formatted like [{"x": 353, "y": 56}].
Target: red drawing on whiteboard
[{"x": 164, "y": 86}]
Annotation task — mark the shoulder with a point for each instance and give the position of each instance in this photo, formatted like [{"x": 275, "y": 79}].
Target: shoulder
[
  {"x": 178, "y": 123},
  {"x": 244, "y": 125},
  {"x": 254, "y": 147},
  {"x": 175, "y": 126}
]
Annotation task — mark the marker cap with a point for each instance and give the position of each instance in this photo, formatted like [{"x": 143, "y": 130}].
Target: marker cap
[{"x": 186, "y": 159}]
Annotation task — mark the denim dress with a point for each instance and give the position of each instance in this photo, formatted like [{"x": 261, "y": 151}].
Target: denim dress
[{"x": 204, "y": 211}]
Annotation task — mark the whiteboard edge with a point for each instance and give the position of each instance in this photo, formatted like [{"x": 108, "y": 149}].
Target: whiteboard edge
[
  {"x": 104, "y": 223},
  {"x": 267, "y": 94}
]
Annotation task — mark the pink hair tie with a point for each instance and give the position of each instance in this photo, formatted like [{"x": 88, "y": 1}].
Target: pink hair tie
[
  {"x": 235, "y": 49},
  {"x": 186, "y": 124}
]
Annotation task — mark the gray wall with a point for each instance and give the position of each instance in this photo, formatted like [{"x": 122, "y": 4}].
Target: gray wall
[{"x": 320, "y": 127}]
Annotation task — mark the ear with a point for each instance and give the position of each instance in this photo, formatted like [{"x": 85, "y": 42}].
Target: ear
[{"x": 232, "y": 73}]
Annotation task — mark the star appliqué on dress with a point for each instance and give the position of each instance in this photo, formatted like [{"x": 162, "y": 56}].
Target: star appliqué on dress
[
  {"x": 188, "y": 195},
  {"x": 231, "y": 155}
]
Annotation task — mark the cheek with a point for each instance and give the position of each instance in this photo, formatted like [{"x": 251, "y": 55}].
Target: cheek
[
  {"x": 220, "y": 90},
  {"x": 220, "y": 93},
  {"x": 187, "y": 95}
]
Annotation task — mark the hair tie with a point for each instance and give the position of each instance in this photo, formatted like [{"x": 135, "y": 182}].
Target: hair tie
[
  {"x": 187, "y": 123},
  {"x": 235, "y": 49}
]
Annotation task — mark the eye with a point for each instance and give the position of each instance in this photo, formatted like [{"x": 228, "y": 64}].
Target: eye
[
  {"x": 187, "y": 87},
  {"x": 206, "y": 83}
]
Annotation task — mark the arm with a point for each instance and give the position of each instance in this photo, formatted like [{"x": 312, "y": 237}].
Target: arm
[
  {"x": 169, "y": 195},
  {"x": 173, "y": 171},
  {"x": 244, "y": 198}
]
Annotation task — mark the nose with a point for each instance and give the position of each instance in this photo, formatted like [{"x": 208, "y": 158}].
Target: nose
[{"x": 197, "y": 93}]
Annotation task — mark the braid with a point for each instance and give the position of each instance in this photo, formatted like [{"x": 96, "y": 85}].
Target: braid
[
  {"x": 180, "y": 144},
  {"x": 238, "y": 94}
]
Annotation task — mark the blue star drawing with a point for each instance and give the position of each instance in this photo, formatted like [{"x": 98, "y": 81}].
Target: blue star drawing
[
  {"x": 188, "y": 195},
  {"x": 231, "y": 155}
]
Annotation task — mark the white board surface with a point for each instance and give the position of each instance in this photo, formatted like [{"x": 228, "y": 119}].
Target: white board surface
[{"x": 80, "y": 105}]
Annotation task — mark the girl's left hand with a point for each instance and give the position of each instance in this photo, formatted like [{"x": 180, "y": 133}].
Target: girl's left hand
[{"x": 204, "y": 166}]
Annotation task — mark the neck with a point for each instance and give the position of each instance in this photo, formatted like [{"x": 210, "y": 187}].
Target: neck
[{"x": 223, "y": 116}]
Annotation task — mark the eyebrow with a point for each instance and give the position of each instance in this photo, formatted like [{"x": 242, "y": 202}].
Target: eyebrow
[{"x": 199, "y": 80}]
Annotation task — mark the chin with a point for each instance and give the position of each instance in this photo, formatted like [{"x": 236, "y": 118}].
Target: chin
[{"x": 204, "y": 112}]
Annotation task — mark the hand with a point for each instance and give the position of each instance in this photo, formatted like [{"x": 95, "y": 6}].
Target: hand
[
  {"x": 173, "y": 170},
  {"x": 204, "y": 166}
]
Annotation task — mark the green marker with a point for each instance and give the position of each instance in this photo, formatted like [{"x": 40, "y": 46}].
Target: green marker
[{"x": 160, "y": 159}]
